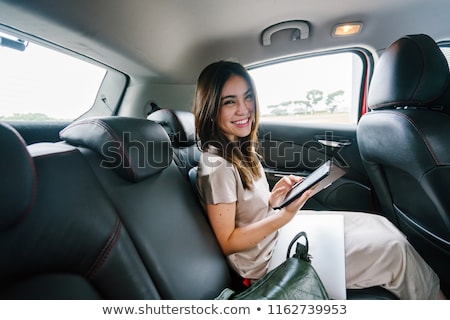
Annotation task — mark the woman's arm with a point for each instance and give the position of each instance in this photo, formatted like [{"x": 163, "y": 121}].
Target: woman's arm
[{"x": 234, "y": 239}]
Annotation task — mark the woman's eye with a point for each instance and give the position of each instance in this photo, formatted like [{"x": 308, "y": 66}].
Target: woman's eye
[
  {"x": 249, "y": 96},
  {"x": 228, "y": 102}
]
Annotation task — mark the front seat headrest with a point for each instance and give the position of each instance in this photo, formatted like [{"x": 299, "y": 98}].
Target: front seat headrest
[
  {"x": 17, "y": 177},
  {"x": 412, "y": 71}
]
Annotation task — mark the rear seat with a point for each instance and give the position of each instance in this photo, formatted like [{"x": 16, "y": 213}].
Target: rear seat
[
  {"x": 60, "y": 236},
  {"x": 132, "y": 159},
  {"x": 107, "y": 214},
  {"x": 161, "y": 210}
]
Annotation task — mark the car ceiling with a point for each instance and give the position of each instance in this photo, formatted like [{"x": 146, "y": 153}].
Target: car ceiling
[{"x": 169, "y": 41}]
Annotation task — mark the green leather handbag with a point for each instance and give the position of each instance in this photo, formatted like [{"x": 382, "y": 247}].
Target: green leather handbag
[{"x": 294, "y": 279}]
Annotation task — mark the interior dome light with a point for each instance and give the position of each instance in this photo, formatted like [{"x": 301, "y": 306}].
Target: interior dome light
[{"x": 347, "y": 29}]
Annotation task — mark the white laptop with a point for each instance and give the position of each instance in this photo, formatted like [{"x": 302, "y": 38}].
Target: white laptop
[{"x": 325, "y": 234}]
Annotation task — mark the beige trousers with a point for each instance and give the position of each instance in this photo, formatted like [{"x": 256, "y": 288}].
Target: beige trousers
[{"x": 378, "y": 254}]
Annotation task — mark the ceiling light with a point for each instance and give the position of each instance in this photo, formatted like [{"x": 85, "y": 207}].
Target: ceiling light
[{"x": 347, "y": 29}]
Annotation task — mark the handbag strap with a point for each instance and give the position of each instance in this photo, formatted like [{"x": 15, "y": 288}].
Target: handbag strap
[{"x": 301, "y": 250}]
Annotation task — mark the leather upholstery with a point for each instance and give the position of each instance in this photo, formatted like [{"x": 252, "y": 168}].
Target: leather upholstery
[
  {"x": 412, "y": 72},
  {"x": 180, "y": 126},
  {"x": 165, "y": 221},
  {"x": 17, "y": 176},
  {"x": 404, "y": 145},
  {"x": 71, "y": 243},
  {"x": 124, "y": 144}
]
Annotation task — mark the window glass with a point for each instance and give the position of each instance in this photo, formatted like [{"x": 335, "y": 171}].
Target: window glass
[
  {"x": 42, "y": 84},
  {"x": 445, "y": 47},
  {"x": 316, "y": 89}
]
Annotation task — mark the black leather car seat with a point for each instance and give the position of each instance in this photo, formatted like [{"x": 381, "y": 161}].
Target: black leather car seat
[
  {"x": 404, "y": 144},
  {"x": 155, "y": 203},
  {"x": 180, "y": 126},
  {"x": 60, "y": 237}
]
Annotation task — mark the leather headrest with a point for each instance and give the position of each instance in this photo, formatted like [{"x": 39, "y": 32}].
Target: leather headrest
[
  {"x": 412, "y": 71},
  {"x": 17, "y": 177},
  {"x": 136, "y": 148},
  {"x": 180, "y": 125}
]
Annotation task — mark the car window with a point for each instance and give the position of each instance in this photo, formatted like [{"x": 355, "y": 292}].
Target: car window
[
  {"x": 315, "y": 89},
  {"x": 41, "y": 84},
  {"x": 445, "y": 47}
]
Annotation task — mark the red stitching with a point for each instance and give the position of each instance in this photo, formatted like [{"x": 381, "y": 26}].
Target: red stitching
[{"x": 106, "y": 250}]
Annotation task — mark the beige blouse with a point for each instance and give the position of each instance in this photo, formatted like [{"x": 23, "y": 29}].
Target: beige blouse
[{"x": 219, "y": 182}]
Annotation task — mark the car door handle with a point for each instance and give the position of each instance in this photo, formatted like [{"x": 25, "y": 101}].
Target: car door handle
[{"x": 334, "y": 144}]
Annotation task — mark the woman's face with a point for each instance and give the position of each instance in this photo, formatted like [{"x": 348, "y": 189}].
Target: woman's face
[{"x": 237, "y": 108}]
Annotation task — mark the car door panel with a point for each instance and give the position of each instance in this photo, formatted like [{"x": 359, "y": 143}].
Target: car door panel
[{"x": 291, "y": 148}]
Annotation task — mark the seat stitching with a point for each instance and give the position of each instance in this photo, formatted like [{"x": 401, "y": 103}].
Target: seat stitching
[{"x": 106, "y": 250}]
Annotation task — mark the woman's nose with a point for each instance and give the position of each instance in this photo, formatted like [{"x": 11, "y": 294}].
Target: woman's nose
[{"x": 241, "y": 107}]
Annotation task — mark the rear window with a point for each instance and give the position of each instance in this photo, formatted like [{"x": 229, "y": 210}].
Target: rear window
[{"x": 41, "y": 84}]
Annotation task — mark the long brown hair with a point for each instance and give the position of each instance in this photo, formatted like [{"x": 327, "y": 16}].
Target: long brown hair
[{"x": 242, "y": 153}]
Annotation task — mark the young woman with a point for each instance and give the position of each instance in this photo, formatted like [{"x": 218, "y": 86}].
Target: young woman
[{"x": 236, "y": 196}]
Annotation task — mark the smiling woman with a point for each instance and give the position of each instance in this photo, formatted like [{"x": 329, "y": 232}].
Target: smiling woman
[
  {"x": 238, "y": 109},
  {"x": 126, "y": 70},
  {"x": 246, "y": 215}
]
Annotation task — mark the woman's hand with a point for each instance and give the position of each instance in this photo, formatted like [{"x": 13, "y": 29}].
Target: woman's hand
[
  {"x": 280, "y": 190},
  {"x": 236, "y": 239}
]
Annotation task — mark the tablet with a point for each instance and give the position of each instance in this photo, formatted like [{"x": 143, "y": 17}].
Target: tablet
[{"x": 319, "y": 179}]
